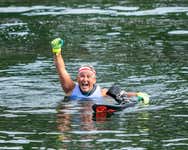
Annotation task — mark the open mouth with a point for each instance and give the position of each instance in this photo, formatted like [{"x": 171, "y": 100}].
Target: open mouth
[{"x": 85, "y": 85}]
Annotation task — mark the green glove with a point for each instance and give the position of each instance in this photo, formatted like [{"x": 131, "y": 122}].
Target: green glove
[
  {"x": 56, "y": 45},
  {"x": 144, "y": 97}
]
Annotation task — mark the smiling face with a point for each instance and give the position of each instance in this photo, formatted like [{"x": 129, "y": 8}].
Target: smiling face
[{"x": 86, "y": 80}]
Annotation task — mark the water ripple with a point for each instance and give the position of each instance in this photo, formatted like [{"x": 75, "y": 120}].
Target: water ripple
[
  {"x": 40, "y": 111},
  {"x": 175, "y": 142},
  {"x": 114, "y": 10},
  {"x": 16, "y": 133},
  {"x": 12, "y": 24},
  {"x": 20, "y": 9},
  {"x": 178, "y": 32},
  {"x": 156, "y": 11},
  {"x": 123, "y": 8},
  {"x": 19, "y": 141},
  {"x": 96, "y": 132},
  {"x": 12, "y": 148},
  {"x": 113, "y": 140}
]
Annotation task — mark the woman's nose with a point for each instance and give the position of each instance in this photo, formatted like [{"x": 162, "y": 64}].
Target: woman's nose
[{"x": 85, "y": 78}]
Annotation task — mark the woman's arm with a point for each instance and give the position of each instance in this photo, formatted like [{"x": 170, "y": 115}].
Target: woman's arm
[{"x": 66, "y": 82}]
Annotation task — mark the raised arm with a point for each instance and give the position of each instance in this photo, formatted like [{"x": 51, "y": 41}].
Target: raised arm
[{"x": 66, "y": 82}]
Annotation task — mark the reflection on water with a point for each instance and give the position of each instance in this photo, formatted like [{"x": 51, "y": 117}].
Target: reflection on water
[
  {"x": 140, "y": 46},
  {"x": 70, "y": 116}
]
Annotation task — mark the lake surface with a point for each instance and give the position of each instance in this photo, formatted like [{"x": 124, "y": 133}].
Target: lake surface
[{"x": 140, "y": 45}]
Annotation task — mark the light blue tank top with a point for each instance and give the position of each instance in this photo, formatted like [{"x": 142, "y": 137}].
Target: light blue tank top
[{"x": 77, "y": 94}]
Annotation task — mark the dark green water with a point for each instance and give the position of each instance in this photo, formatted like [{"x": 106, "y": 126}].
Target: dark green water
[{"x": 141, "y": 45}]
